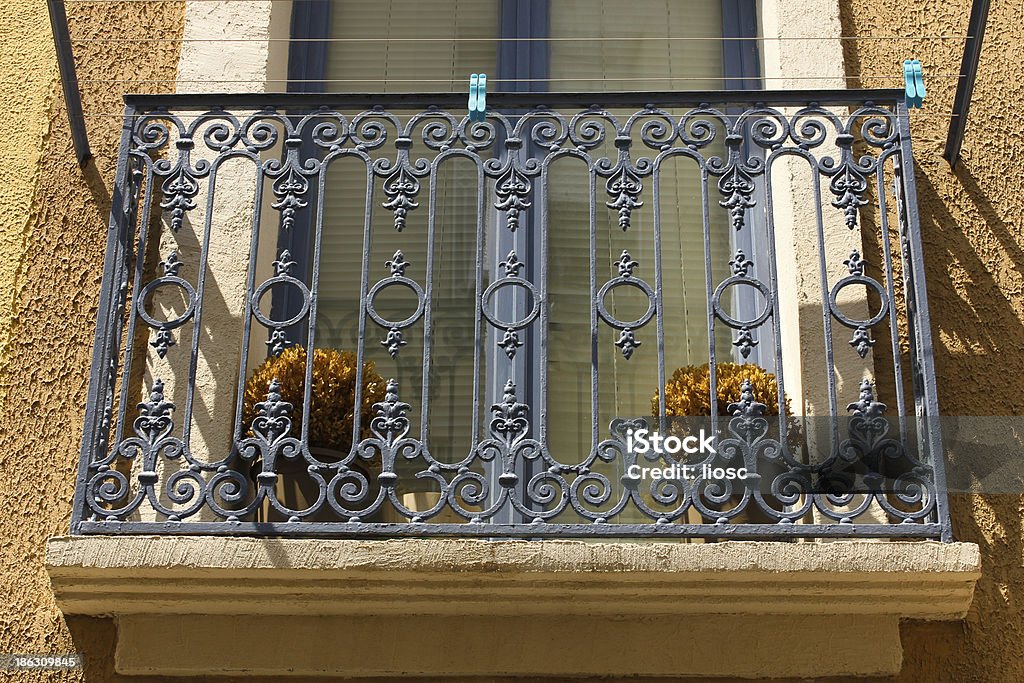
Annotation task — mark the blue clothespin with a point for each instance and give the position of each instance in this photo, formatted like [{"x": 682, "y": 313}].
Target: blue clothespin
[
  {"x": 913, "y": 81},
  {"x": 477, "y": 97},
  {"x": 474, "y": 95}
]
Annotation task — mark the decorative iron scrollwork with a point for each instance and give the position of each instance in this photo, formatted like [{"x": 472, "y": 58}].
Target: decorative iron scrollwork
[
  {"x": 289, "y": 188},
  {"x": 154, "y": 421},
  {"x": 501, "y": 479},
  {"x": 625, "y": 187},
  {"x": 737, "y": 187},
  {"x": 401, "y": 188},
  {"x": 512, "y": 189},
  {"x": 180, "y": 191},
  {"x": 510, "y": 423},
  {"x": 390, "y": 422}
]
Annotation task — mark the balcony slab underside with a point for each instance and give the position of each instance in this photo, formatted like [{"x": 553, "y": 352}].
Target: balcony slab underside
[{"x": 196, "y": 606}]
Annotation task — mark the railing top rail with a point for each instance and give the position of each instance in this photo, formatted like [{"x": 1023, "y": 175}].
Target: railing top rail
[{"x": 524, "y": 99}]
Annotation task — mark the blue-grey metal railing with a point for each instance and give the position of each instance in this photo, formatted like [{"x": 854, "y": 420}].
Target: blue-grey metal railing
[{"x": 220, "y": 200}]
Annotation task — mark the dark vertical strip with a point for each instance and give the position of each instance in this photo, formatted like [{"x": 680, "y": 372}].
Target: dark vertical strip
[
  {"x": 307, "y": 73},
  {"x": 307, "y": 59},
  {"x": 69, "y": 79},
  {"x": 523, "y": 64},
  {"x": 741, "y": 66},
  {"x": 741, "y": 60},
  {"x": 965, "y": 84}
]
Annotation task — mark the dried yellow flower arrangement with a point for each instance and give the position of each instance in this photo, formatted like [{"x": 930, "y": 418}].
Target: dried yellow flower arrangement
[
  {"x": 333, "y": 394},
  {"x": 688, "y": 392}
]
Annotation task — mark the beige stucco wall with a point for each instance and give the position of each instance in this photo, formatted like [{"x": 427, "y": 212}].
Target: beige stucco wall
[
  {"x": 27, "y": 76},
  {"x": 58, "y": 214},
  {"x": 972, "y": 222}
]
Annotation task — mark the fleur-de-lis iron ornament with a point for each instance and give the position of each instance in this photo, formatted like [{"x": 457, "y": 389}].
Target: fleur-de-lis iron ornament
[
  {"x": 397, "y": 264},
  {"x": 394, "y": 341},
  {"x": 747, "y": 414},
  {"x": 390, "y": 422},
  {"x": 510, "y": 342},
  {"x": 862, "y": 341},
  {"x": 171, "y": 265},
  {"x": 163, "y": 342},
  {"x": 740, "y": 264},
  {"x": 272, "y": 421},
  {"x": 510, "y": 422},
  {"x": 748, "y": 405},
  {"x": 289, "y": 189},
  {"x": 278, "y": 341},
  {"x": 401, "y": 189},
  {"x": 625, "y": 187},
  {"x": 511, "y": 264},
  {"x": 154, "y": 420},
  {"x": 626, "y": 264},
  {"x": 866, "y": 406},
  {"x": 737, "y": 187},
  {"x": 849, "y": 187},
  {"x": 179, "y": 190},
  {"x": 855, "y": 264},
  {"x": 745, "y": 342},
  {"x": 284, "y": 264},
  {"x": 512, "y": 189},
  {"x": 628, "y": 343}
]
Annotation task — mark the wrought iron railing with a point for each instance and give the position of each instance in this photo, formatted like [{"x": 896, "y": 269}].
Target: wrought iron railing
[{"x": 802, "y": 207}]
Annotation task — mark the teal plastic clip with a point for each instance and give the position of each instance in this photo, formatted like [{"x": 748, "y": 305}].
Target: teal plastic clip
[
  {"x": 913, "y": 80},
  {"x": 474, "y": 94},
  {"x": 477, "y": 97}
]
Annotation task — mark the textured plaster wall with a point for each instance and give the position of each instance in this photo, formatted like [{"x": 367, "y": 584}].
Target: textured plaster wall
[
  {"x": 972, "y": 222},
  {"x": 60, "y": 227},
  {"x": 28, "y": 71}
]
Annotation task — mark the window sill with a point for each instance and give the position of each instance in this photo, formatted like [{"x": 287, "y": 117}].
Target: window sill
[{"x": 467, "y": 607}]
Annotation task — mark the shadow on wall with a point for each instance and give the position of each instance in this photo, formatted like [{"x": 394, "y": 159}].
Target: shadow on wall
[{"x": 978, "y": 328}]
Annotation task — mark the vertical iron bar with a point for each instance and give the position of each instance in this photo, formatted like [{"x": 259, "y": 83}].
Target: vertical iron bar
[
  {"x": 709, "y": 293},
  {"x": 595, "y": 380},
  {"x": 773, "y": 282},
  {"x": 250, "y": 288},
  {"x": 890, "y": 288},
  {"x": 69, "y": 79},
  {"x": 931, "y": 442},
  {"x": 114, "y": 279},
  {"x": 826, "y": 309},
  {"x": 965, "y": 83},
  {"x": 659, "y": 302},
  {"x": 130, "y": 311}
]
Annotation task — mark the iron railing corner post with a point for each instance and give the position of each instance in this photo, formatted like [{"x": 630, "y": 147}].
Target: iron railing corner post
[
  {"x": 929, "y": 425},
  {"x": 108, "y": 316}
]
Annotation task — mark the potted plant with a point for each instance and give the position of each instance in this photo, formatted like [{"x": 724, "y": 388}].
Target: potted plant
[
  {"x": 331, "y": 419},
  {"x": 688, "y": 394}
]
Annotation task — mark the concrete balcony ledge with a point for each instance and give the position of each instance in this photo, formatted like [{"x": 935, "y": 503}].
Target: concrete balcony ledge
[{"x": 268, "y": 606}]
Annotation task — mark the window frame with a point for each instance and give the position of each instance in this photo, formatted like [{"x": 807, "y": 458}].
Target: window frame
[{"x": 521, "y": 66}]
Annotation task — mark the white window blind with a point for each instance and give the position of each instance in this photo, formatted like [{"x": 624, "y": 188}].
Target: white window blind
[{"x": 399, "y": 66}]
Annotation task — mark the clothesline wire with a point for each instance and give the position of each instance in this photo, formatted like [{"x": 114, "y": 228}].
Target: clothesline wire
[
  {"x": 588, "y": 39},
  {"x": 499, "y": 80}
]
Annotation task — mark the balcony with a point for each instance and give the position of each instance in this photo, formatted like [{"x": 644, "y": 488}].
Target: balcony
[
  {"x": 494, "y": 311},
  {"x": 773, "y": 231}
]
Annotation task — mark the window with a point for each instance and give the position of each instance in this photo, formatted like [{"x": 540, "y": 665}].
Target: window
[{"x": 433, "y": 46}]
